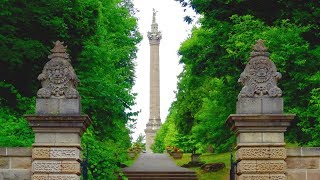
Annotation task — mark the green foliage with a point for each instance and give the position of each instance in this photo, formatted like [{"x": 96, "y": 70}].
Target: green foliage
[
  {"x": 209, "y": 158},
  {"x": 105, "y": 157},
  {"x": 216, "y": 53},
  {"x": 139, "y": 142},
  {"x": 15, "y": 130},
  {"x": 101, "y": 37}
]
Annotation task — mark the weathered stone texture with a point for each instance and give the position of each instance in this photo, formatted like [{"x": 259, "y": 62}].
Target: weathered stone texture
[
  {"x": 72, "y": 167},
  {"x": 58, "y": 106},
  {"x": 40, "y": 177},
  {"x": 46, "y": 166},
  {"x": 58, "y": 137},
  {"x": 64, "y": 153},
  {"x": 21, "y": 163},
  {"x": 58, "y": 78},
  {"x": 303, "y": 163},
  {"x": 55, "y": 177},
  {"x": 261, "y": 166},
  {"x": 3, "y": 151},
  {"x": 260, "y": 106},
  {"x": 261, "y": 153},
  {"x": 4, "y": 162},
  {"x": 260, "y": 75},
  {"x": 18, "y": 151},
  {"x": 15, "y": 174},
  {"x": 40, "y": 153},
  {"x": 262, "y": 177},
  {"x": 297, "y": 174},
  {"x": 313, "y": 174}
]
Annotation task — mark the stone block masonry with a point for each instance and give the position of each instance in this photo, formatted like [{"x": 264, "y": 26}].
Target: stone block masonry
[
  {"x": 259, "y": 124},
  {"x": 303, "y": 163},
  {"x": 15, "y": 163}
]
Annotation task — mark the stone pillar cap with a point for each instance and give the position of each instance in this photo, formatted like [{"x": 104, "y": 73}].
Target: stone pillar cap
[
  {"x": 58, "y": 123},
  {"x": 259, "y": 122}
]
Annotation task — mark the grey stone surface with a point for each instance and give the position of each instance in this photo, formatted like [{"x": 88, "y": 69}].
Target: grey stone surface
[
  {"x": 57, "y": 106},
  {"x": 4, "y": 162},
  {"x": 19, "y": 151},
  {"x": 61, "y": 138},
  {"x": 260, "y": 106},
  {"x": 15, "y": 174},
  {"x": 155, "y": 163},
  {"x": 260, "y": 77},
  {"x": 21, "y": 163},
  {"x": 154, "y": 120},
  {"x": 3, "y": 151},
  {"x": 310, "y": 151},
  {"x": 304, "y": 151},
  {"x": 58, "y": 78},
  {"x": 272, "y": 137}
]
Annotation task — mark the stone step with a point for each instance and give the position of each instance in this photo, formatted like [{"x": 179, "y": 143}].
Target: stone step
[
  {"x": 162, "y": 178},
  {"x": 160, "y": 175}
]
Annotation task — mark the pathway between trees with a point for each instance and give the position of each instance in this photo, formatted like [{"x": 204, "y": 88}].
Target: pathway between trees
[{"x": 157, "y": 166}]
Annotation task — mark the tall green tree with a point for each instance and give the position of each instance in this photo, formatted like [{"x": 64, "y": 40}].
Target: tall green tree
[
  {"x": 216, "y": 53},
  {"x": 101, "y": 36}
]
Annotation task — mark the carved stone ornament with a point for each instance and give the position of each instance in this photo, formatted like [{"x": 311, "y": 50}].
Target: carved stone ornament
[
  {"x": 155, "y": 34},
  {"x": 260, "y": 76},
  {"x": 58, "y": 78}
]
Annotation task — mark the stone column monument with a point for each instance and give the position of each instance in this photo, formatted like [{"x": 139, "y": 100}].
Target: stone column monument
[
  {"x": 58, "y": 123},
  {"x": 260, "y": 123},
  {"x": 154, "y": 119}
]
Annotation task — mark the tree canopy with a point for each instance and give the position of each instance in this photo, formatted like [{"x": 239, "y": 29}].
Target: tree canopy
[
  {"x": 216, "y": 53},
  {"x": 101, "y": 37}
]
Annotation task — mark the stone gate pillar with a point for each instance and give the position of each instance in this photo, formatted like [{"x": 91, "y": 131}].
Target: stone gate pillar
[
  {"x": 58, "y": 123},
  {"x": 260, "y": 124}
]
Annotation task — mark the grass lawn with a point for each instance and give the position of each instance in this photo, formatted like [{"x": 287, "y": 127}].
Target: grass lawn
[
  {"x": 209, "y": 158},
  {"x": 129, "y": 162}
]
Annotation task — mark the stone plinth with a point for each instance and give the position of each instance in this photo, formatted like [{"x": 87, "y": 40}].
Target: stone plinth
[
  {"x": 260, "y": 146},
  {"x": 57, "y": 149},
  {"x": 150, "y": 135}
]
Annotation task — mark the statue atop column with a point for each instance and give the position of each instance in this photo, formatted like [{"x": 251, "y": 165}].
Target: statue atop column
[{"x": 154, "y": 35}]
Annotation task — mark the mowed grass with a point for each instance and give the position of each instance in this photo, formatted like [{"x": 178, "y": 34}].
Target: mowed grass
[{"x": 209, "y": 158}]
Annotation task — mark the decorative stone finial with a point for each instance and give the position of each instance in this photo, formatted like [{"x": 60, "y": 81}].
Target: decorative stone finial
[
  {"x": 154, "y": 35},
  {"x": 58, "y": 78},
  {"x": 260, "y": 75}
]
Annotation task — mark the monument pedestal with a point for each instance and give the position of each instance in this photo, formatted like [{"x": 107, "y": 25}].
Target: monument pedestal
[
  {"x": 260, "y": 146},
  {"x": 150, "y": 135},
  {"x": 56, "y": 153},
  {"x": 57, "y": 123}
]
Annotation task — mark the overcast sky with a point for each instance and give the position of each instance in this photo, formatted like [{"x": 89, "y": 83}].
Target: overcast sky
[{"x": 174, "y": 32}]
